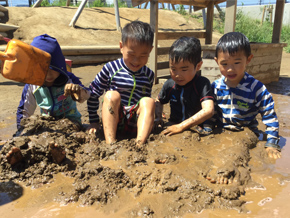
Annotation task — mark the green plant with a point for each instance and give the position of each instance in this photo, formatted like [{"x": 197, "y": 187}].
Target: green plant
[
  {"x": 181, "y": 10},
  {"x": 99, "y": 3},
  {"x": 58, "y": 3},
  {"x": 45, "y": 3}
]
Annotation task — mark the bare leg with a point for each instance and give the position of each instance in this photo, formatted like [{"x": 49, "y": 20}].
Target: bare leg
[
  {"x": 145, "y": 121},
  {"x": 14, "y": 156},
  {"x": 57, "y": 153},
  {"x": 110, "y": 115}
]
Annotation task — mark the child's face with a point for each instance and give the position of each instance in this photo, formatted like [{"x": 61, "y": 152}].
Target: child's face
[
  {"x": 233, "y": 67},
  {"x": 183, "y": 72},
  {"x": 135, "y": 55},
  {"x": 50, "y": 77}
]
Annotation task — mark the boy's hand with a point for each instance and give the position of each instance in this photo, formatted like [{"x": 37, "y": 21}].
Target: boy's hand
[
  {"x": 94, "y": 128},
  {"x": 74, "y": 90},
  {"x": 172, "y": 130},
  {"x": 273, "y": 152}
]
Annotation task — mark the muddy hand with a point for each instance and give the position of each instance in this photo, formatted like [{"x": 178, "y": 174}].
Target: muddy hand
[
  {"x": 74, "y": 90},
  {"x": 172, "y": 130}
]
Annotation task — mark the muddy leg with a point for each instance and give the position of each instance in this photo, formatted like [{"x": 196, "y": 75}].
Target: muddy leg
[
  {"x": 14, "y": 156},
  {"x": 57, "y": 153},
  {"x": 110, "y": 115}
]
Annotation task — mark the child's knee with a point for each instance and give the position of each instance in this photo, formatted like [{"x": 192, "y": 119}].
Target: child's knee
[
  {"x": 147, "y": 102},
  {"x": 112, "y": 96}
]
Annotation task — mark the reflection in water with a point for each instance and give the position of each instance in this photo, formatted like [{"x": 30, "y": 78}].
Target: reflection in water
[{"x": 9, "y": 191}]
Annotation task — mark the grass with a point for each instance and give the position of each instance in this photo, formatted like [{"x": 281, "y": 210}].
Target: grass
[{"x": 253, "y": 29}]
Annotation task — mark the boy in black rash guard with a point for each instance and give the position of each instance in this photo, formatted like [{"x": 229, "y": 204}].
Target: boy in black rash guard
[{"x": 190, "y": 95}]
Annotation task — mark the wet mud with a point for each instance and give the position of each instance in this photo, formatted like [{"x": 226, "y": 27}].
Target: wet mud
[{"x": 188, "y": 172}]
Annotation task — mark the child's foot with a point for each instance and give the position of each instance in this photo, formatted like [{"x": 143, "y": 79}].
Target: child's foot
[
  {"x": 203, "y": 131},
  {"x": 57, "y": 153},
  {"x": 14, "y": 156},
  {"x": 226, "y": 174}
]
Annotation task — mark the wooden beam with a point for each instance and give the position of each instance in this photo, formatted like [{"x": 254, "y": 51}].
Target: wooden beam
[
  {"x": 278, "y": 21},
  {"x": 154, "y": 24},
  {"x": 68, "y": 3},
  {"x": 117, "y": 16},
  {"x": 77, "y": 14},
  {"x": 230, "y": 19},
  {"x": 178, "y": 34},
  {"x": 209, "y": 22}
]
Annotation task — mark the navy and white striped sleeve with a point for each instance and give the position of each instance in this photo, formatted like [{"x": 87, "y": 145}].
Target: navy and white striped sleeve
[
  {"x": 97, "y": 88},
  {"x": 265, "y": 104}
]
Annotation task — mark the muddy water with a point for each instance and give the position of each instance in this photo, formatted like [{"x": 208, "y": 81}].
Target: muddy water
[{"x": 154, "y": 182}]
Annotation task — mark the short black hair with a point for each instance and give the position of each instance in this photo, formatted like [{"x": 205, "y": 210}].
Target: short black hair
[
  {"x": 233, "y": 42},
  {"x": 186, "y": 49},
  {"x": 138, "y": 31}
]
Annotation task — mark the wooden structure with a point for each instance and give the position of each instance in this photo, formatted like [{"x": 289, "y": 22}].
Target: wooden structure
[
  {"x": 197, "y": 5},
  {"x": 208, "y": 51}
]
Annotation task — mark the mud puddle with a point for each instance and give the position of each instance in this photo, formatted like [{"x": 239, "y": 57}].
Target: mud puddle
[{"x": 165, "y": 178}]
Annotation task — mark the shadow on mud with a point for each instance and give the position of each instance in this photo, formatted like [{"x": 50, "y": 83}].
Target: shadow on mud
[
  {"x": 281, "y": 87},
  {"x": 9, "y": 191}
]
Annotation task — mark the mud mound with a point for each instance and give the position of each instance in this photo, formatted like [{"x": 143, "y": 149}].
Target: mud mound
[{"x": 173, "y": 169}]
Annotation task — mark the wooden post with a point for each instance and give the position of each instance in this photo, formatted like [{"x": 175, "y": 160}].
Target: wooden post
[
  {"x": 263, "y": 14},
  {"x": 209, "y": 22},
  {"x": 230, "y": 19},
  {"x": 37, "y": 4},
  {"x": 204, "y": 18},
  {"x": 278, "y": 21},
  {"x": 173, "y": 7},
  {"x": 117, "y": 15},
  {"x": 154, "y": 24},
  {"x": 77, "y": 14}
]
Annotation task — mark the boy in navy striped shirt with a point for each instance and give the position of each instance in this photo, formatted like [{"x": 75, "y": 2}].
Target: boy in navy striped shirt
[
  {"x": 240, "y": 97},
  {"x": 127, "y": 106}
]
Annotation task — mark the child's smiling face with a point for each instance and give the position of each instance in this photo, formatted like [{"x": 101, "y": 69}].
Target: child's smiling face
[
  {"x": 233, "y": 66},
  {"x": 183, "y": 72},
  {"x": 135, "y": 55}
]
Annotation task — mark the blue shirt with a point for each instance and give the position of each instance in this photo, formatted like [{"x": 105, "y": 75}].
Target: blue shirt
[{"x": 240, "y": 106}]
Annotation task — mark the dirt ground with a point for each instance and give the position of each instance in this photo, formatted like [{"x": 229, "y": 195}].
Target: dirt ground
[{"x": 165, "y": 178}]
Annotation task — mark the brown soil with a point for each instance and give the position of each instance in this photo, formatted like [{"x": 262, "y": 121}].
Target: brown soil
[{"x": 165, "y": 178}]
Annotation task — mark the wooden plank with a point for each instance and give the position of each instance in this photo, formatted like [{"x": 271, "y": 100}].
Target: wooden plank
[
  {"x": 163, "y": 65},
  {"x": 230, "y": 19},
  {"x": 92, "y": 59},
  {"x": 209, "y": 22},
  {"x": 89, "y": 50},
  {"x": 154, "y": 24},
  {"x": 178, "y": 34},
  {"x": 3, "y": 9},
  {"x": 6, "y": 27},
  {"x": 278, "y": 21}
]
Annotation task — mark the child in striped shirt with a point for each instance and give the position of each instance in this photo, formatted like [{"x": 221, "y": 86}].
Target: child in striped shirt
[
  {"x": 127, "y": 105},
  {"x": 239, "y": 96}
]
